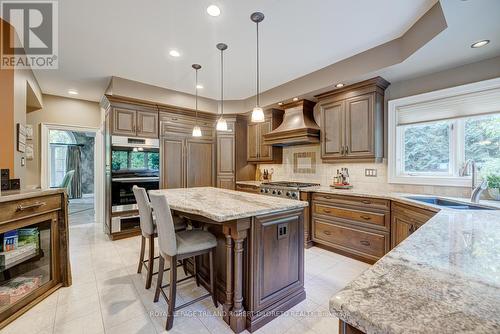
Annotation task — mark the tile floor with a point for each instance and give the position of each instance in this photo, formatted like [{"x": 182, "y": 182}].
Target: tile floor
[{"x": 108, "y": 296}]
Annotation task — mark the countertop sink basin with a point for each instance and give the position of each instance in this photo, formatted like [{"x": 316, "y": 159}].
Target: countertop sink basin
[{"x": 448, "y": 203}]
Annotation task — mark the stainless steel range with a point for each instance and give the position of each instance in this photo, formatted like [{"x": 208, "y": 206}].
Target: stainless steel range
[{"x": 284, "y": 189}]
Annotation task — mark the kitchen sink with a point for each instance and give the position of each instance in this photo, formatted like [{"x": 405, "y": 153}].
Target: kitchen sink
[{"x": 448, "y": 203}]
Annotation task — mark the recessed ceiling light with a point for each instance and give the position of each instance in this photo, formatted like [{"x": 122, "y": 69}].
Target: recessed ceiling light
[
  {"x": 174, "y": 53},
  {"x": 72, "y": 92},
  {"x": 199, "y": 86},
  {"x": 295, "y": 98},
  {"x": 280, "y": 103},
  {"x": 213, "y": 10},
  {"x": 339, "y": 85},
  {"x": 480, "y": 44}
]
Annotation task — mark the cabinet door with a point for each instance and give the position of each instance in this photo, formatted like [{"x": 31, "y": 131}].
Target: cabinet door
[
  {"x": 199, "y": 163},
  {"x": 172, "y": 167},
  {"x": 147, "y": 124},
  {"x": 265, "y": 151},
  {"x": 401, "y": 228},
  {"x": 225, "y": 182},
  {"x": 360, "y": 126},
  {"x": 225, "y": 155},
  {"x": 253, "y": 142},
  {"x": 332, "y": 129},
  {"x": 124, "y": 122}
]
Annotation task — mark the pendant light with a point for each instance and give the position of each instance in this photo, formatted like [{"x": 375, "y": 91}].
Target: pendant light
[
  {"x": 221, "y": 122},
  {"x": 196, "y": 129},
  {"x": 257, "y": 112}
]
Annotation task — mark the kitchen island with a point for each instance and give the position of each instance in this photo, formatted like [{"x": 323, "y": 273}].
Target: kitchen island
[
  {"x": 258, "y": 236},
  {"x": 444, "y": 278}
]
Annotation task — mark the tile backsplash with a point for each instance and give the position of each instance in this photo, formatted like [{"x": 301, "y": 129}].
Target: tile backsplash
[{"x": 324, "y": 172}]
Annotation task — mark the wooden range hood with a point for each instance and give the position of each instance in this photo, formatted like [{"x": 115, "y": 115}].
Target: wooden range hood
[{"x": 298, "y": 126}]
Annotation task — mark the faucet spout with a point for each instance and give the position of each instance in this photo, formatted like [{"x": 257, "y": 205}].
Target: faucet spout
[{"x": 476, "y": 193}]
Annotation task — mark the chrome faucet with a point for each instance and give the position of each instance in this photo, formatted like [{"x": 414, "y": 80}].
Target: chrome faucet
[{"x": 476, "y": 191}]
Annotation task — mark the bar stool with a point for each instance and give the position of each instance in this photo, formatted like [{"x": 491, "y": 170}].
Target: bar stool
[
  {"x": 148, "y": 231},
  {"x": 179, "y": 246}
]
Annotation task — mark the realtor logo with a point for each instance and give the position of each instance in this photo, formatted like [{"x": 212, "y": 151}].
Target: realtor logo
[{"x": 35, "y": 41}]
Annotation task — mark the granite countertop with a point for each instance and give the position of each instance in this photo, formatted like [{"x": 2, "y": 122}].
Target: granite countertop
[
  {"x": 15, "y": 195},
  {"x": 222, "y": 205},
  {"x": 445, "y": 277}
]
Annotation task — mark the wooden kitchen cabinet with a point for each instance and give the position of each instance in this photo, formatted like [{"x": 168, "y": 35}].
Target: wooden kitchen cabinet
[
  {"x": 134, "y": 123},
  {"x": 257, "y": 151},
  {"x": 352, "y": 121},
  {"x": 407, "y": 219}
]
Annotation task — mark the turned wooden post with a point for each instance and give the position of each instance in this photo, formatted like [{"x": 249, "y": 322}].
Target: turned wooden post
[
  {"x": 237, "y": 321},
  {"x": 228, "y": 304}
]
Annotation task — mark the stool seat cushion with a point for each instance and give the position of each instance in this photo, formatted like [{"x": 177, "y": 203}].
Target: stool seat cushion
[{"x": 194, "y": 240}]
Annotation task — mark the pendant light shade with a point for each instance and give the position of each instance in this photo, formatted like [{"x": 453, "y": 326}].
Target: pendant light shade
[
  {"x": 196, "y": 128},
  {"x": 257, "y": 112},
  {"x": 221, "y": 122}
]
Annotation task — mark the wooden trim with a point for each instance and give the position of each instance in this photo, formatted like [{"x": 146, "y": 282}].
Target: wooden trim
[{"x": 358, "y": 87}]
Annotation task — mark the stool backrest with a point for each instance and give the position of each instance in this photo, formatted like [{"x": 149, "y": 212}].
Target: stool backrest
[
  {"x": 145, "y": 210},
  {"x": 164, "y": 224}
]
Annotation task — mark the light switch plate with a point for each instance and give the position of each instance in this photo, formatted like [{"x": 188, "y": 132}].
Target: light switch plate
[{"x": 370, "y": 172}]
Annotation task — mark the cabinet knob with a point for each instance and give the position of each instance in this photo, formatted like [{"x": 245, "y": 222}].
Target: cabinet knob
[{"x": 346, "y": 150}]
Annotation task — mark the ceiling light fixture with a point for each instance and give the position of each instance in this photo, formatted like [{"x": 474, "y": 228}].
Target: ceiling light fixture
[
  {"x": 196, "y": 129},
  {"x": 295, "y": 99},
  {"x": 480, "y": 44},
  {"x": 339, "y": 85},
  {"x": 72, "y": 92},
  {"x": 221, "y": 122},
  {"x": 257, "y": 112},
  {"x": 213, "y": 10},
  {"x": 280, "y": 103},
  {"x": 174, "y": 53},
  {"x": 199, "y": 86}
]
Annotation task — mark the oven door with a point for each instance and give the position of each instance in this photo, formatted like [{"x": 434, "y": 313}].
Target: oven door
[{"x": 121, "y": 188}]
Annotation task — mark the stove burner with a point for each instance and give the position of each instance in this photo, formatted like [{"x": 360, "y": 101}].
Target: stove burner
[
  {"x": 287, "y": 189},
  {"x": 291, "y": 184}
]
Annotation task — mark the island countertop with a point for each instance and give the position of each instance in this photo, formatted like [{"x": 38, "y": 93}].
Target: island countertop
[
  {"x": 222, "y": 204},
  {"x": 444, "y": 278}
]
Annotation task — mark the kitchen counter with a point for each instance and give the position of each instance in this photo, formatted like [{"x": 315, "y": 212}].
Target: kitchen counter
[
  {"x": 445, "y": 277},
  {"x": 14, "y": 195},
  {"x": 222, "y": 205}
]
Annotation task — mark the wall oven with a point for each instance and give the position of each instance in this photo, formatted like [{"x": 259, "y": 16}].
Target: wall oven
[{"x": 134, "y": 161}]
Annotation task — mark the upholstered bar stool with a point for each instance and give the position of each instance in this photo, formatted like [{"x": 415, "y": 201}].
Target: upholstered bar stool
[
  {"x": 175, "y": 246},
  {"x": 148, "y": 231}
]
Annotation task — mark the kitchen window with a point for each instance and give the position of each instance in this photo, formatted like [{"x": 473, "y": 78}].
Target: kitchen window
[{"x": 432, "y": 135}]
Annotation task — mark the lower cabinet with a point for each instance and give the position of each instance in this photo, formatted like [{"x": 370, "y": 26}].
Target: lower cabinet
[
  {"x": 248, "y": 188},
  {"x": 407, "y": 219}
]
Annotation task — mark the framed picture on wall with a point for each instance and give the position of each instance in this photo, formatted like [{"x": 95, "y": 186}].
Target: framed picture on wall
[{"x": 21, "y": 138}]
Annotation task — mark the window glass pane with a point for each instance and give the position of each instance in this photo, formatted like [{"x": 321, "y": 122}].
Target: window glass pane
[
  {"x": 137, "y": 160},
  {"x": 119, "y": 160},
  {"x": 482, "y": 142},
  {"x": 427, "y": 148}
]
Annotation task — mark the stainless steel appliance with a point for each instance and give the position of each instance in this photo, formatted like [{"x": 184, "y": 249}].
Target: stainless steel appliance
[
  {"x": 286, "y": 189},
  {"x": 134, "y": 161}
]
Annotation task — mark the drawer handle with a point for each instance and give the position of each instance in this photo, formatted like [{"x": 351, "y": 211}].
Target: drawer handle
[
  {"x": 328, "y": 197},
  {"x": 327, "y": 232},
  {"x": 365, "y": 201},
  {"x": 327, "y": 211},
  {"x": 21, "y": 207},
  {"x": 366, "y": 217},
  {"x": 365, "y": 243}
]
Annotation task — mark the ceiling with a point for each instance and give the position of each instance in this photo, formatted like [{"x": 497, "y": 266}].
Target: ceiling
[{"x": 130, "y": 39}]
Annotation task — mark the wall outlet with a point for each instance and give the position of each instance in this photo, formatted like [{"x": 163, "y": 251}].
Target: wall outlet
[{"x": 370, "y": 172}]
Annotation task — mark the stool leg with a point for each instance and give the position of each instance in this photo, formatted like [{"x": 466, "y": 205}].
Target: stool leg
[
  {"x": 141, "y": 257},
  {"x": 212, "y": 277},
  {"x": 161, "y": 265},
  {"x": 151, "y": 261},
  {"x": 184, "y": 267},
  {"x": 196, "y": 267},
  {"x": 171, "y": 297}
]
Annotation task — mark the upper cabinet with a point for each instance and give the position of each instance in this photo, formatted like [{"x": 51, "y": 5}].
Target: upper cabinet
[
  {"x": 352, "y": 121},
  {"x": 134, "y": 123},
  {"x": 257, "y": 151}
]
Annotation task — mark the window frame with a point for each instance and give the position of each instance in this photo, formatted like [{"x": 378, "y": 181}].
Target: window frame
[{"x": 457, "y": 138}]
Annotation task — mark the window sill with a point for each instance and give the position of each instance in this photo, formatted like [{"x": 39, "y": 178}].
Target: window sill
[{"x": 431, "y": 181}]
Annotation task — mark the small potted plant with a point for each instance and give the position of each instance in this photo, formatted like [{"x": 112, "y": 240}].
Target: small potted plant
[{"x": 494, "y": 186}]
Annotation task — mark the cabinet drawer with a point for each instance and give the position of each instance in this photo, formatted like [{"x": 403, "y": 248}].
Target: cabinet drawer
[
  {"x": 369, "y": 218},
  {"x": 362, "y": 202},
  {"x": 248, "y": 188},
  {"x": 29, "y": 207},
  {"x": 368, "y": 244},
  {"x": 412, "y": 214}
]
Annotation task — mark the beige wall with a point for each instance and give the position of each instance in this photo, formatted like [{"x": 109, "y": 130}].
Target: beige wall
[{"x": 63, "y": 111}]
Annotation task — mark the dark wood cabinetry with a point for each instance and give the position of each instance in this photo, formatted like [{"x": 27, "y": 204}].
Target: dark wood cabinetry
[
  {"x": 352, "y": 121},
  {"x": 257, "y": 151},
  {"x": 407, "y": 219},
  {"x": 134, "y": 123}
]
